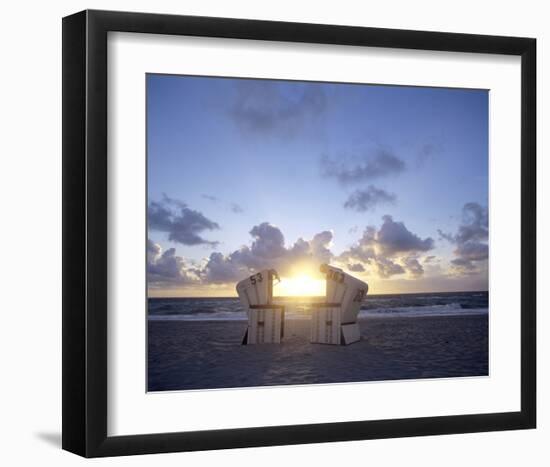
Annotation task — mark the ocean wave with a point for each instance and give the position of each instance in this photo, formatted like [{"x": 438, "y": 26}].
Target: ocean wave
[
  {"x": 210, "y": 316},
  {"x": 301, "y": 312},
  {"x": 450, "y": 309}
]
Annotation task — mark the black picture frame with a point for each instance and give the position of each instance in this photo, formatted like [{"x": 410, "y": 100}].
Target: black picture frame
[{"x": 85, "y": 200}]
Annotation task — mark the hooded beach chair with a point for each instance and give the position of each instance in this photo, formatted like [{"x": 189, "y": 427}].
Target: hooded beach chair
[
  {"x": 265, "y": 319},
  {"x": 335, "y": 320}
]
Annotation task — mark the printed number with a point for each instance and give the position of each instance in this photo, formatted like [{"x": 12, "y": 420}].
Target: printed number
[
  {"x": 256, "y": 278},
  {"x": 359, "y": 296}
]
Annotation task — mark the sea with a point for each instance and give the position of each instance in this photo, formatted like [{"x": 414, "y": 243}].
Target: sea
[{"x": 374, "y": 306}]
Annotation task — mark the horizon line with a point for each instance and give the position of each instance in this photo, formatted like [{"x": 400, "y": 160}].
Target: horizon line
[{"x": 321, "y": 296}]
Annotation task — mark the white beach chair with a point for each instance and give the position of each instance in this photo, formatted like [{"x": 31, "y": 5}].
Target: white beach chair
[
  {"x": 265, "y": 319},
  {"x": 335, "y": 321}
]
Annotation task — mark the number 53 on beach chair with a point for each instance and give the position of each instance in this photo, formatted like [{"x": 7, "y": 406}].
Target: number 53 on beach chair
[
  {"x": 265, "y": 319},
  {"x": 335, "y": 320}
]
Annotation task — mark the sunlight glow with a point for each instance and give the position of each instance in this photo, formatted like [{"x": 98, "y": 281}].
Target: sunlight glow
[{"x": 301, "y": 285}]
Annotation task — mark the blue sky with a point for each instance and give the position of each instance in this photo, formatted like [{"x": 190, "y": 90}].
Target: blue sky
[{"x": 394, "y": 178}]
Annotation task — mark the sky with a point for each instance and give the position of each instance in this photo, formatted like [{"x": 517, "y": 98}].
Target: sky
[{"x": 390, "y": 183}]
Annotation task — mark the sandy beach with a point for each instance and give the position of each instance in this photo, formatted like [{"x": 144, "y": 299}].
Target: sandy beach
[{"x": 208, "y": 354}]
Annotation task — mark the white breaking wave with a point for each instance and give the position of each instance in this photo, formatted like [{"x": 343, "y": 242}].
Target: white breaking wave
[{"x": 451, "y": 309}]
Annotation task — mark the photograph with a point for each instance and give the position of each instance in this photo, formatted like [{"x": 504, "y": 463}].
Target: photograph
[{"x": 304, "y": 232}]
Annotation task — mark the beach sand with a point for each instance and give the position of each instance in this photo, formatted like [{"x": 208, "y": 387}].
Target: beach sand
[{"x": 209, "y": 354}]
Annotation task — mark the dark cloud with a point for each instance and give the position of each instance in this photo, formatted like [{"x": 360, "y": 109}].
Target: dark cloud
[
  {"x": 365, "y": 168},
  {"x": 356, "y": 267},
  {"x": 237, "y": 209},
  {"x": 387, "y": 268},
  {"x": 234, "y": 207},
  {"x": 167, "y": 268},
  {"x": 224, "y": 269},
  {"x": 392, "y": 249},
  {"x": 368, "y": 199},
  {"x": 427, "y": 153},
  {"x": 269, "y": 241},
  {"x": 463, "y": 262},
  {"x": 413, "y": 266},
  {"x": 394, "y": 237},
  {"x": 474, "y": 227},
  {"x": 472, "y": 250},
  {"x": 446, "y": 236},
  {"x": 464, "y": 267},
  {"x": 212, "y": 198},
  {"x": 183, "y": 225},
  {"x": 429, "y": 259},
  {"x": 263, "y": 107}
]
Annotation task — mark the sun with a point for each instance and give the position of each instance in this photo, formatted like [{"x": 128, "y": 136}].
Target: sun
[{"x": 301, "y": 285}]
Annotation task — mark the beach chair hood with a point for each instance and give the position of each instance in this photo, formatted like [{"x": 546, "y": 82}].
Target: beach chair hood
[{"x": 257, "y": 289}]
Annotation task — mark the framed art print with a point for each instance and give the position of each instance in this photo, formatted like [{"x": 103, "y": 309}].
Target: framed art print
[{"x": 282, "y": 233}]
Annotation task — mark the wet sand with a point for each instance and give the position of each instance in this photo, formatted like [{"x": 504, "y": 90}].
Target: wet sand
[{"x": 209, "y": 354}]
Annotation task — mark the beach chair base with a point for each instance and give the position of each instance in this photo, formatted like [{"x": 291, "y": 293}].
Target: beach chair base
[
  {"x": 326, "y": 327},
  {"x": 350, "y": 333},
  {"x": 265, "y": 325},
  {"x": 325, "y": 324}
]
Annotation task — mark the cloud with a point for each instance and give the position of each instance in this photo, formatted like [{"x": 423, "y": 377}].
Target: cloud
[
  {"x": 471, "y": 251},
  {"x": 267, "y": 107},
  {"x": 394, "y": 237},
  {"x": 166, "y": 268},
  {"x": 387, "y": 268},
  {"x": 365, "y": 168},
  {"x": 364, "y": 250},
  {"x": 269, "y": 241},
  {"x": 153, "y": 251},
  {"x": 427, "y": 153},
  {"x": 268, "y": 250},
  {"x": 237, "y": 209},
  {"x": 391, "y": 250},
  {"x": 234, "y": 207},
  {"x": 212, "y": 198},
  {"x": 183, "y": 225},
  {"x": 413, "y": 266},
  {"x": 463, "y": 267},
  {"x": 356, "y": 267},
  {"x": 474, "y": 227},
  {"x": 224, "y": 269},
  {"x": 368, "y": 199}
]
